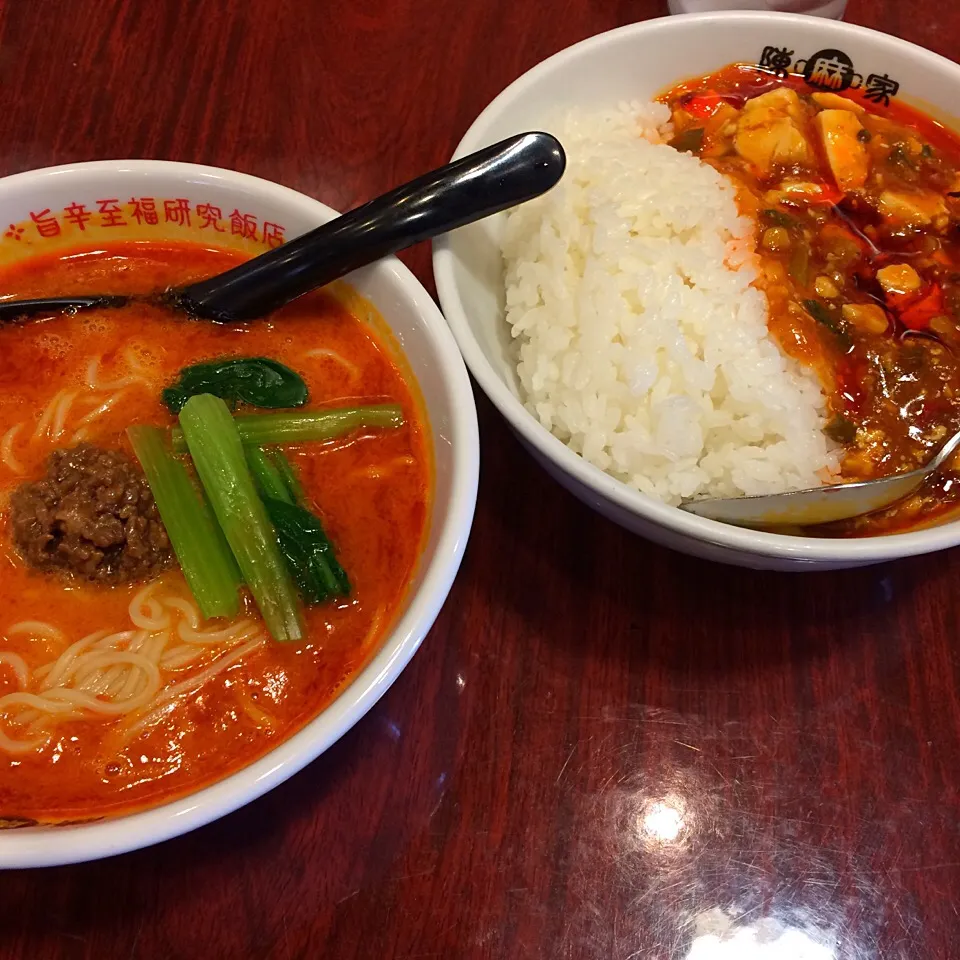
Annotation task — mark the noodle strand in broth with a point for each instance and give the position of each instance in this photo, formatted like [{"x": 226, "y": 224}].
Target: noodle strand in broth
[{"x": 124, "y": 673}]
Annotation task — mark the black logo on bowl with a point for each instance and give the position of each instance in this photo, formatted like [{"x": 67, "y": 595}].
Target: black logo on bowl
[
  {"x": 829, "y": 70},
  {"x": 777, "y": 60},
  {"x": 880, "y": 88}
]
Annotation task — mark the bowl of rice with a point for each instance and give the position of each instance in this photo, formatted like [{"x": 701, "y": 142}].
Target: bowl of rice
[{"x": 615, "y": 323}]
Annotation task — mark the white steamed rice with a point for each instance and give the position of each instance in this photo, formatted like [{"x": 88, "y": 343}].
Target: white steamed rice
[{"x": 641, "y": 342}]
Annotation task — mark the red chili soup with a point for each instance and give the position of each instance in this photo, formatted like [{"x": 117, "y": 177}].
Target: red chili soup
[{"x": 114, "y": 697}]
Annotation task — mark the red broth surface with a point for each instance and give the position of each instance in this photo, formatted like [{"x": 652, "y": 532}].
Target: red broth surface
[{"x": 372, "y": 491}]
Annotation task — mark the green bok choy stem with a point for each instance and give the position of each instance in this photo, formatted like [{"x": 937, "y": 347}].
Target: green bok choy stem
[
  {"x": 266, "y": 429},
  {"x": 196, "y": 537},
  {"x": 217, "y": 451}
]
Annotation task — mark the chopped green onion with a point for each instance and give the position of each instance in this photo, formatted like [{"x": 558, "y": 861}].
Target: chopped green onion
[
  {"x": 265, "y": 429},
  {"x": 778, "y": 218},
  {"x": 195, "y": 535},
  {"x": 822, "y": 315},
  {"x": 900, "y": 159},
  {"x": 217, "y": 451}
]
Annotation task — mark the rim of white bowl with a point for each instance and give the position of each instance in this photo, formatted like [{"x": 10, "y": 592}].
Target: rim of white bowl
[
  {"x": 51, "y": 846},
  {"x": 740, "y": 539}
]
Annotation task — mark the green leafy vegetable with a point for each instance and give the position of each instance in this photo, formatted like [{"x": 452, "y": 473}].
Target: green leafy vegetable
[
  {"x": 690, "y": 141},
  {"x": 266, "y": 429},
  {"x": 303, "y": 542},
  {"x": 217, "y": 451},
  {"x": 198, "y": 541},
  {"x": 259, "y": 381},
  {"x": 308, "y": 551}
]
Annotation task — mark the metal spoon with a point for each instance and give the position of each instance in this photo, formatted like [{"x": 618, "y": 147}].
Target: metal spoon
[
  {"x": 839, "y": 501},
  {"x": 479, "y": 185}
]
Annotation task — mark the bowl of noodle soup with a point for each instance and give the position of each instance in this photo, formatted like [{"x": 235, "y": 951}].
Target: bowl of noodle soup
[{"x": 140, "y": 696}]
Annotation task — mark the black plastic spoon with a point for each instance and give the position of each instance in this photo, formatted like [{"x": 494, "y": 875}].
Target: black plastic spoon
[{"x": 481, "y": 184}]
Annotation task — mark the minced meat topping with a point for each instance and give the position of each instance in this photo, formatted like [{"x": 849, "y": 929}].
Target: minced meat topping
[{"x": 92, "y": 515}]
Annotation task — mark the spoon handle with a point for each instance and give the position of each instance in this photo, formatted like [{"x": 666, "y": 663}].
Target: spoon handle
[
  {"x": 477, "y": 186},
  {"x": 11, "y": 310}
]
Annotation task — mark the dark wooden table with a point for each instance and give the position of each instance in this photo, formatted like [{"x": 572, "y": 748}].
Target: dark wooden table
[{"x": 603, "y": 749}]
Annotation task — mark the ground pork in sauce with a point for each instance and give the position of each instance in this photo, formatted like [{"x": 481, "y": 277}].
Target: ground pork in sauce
[{"x": 92, "y": 515}]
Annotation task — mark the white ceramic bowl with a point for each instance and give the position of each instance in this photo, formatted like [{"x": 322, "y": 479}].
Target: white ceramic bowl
[
  {"x": 432, "y": 354},
  {"x": 638, "y": 62}
]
